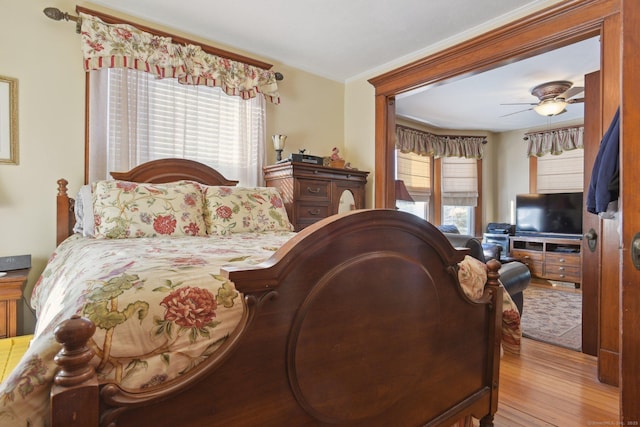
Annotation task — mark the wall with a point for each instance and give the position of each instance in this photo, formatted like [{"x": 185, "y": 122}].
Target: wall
[
  {"x": 512, "y": 172},
  {"x": 45, "y": 57}
]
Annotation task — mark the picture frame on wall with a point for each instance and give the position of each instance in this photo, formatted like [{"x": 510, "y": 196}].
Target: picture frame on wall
[{"x": 8, "y": 120}]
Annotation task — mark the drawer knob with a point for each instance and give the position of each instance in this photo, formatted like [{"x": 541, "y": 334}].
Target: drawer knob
[
  {"x": 561, "y": 268},
  {"x": 562, "y": 275},
  {"x": 315, "y": 190},
  {"x": 561, "y": 259},
  {"x": 314, "y": 211}
]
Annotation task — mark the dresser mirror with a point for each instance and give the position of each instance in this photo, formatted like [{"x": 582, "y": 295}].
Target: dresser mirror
[{"x": 347, "y": 202}]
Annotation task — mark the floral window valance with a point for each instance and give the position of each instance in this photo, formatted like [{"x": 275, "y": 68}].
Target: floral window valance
[
  {"x": 554, "y": 141},
  {"x": 125, "y": 46},
  {"x": 410, "y": 140}
]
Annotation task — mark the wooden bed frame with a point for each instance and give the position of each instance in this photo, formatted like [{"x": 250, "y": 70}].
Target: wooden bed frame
[{"x": 358, "y": 320}]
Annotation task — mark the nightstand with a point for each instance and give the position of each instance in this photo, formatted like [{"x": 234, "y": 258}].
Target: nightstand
[{"x": 10, "y": 293}]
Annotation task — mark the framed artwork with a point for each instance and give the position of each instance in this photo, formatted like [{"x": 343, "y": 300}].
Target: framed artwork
[{"x": 8, "y": 120}]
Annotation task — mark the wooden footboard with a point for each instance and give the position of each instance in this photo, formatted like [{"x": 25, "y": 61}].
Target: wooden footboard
[{"x": 358, "y": 320}]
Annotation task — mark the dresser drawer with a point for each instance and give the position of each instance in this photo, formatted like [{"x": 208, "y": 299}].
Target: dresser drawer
[
  {"x": 526, "y": 255},
  {"x": 562, "y": 273},
  {"x": 563, "y": 259},
  {"x": 535, "y": 267},
  {"x": 308, "y": 211},
  {"x": 311, "y": 189}
]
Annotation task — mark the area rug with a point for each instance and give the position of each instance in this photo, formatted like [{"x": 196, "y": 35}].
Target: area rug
[{"x": 554, "y": 316}]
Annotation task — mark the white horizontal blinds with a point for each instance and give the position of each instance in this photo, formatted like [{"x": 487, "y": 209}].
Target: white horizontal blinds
[
  {"x": 561, "y": 173},
  {"x": 415, "y": 171},
  {"x": 459, "y": 181},
  {"x": 151, "y": 118}
]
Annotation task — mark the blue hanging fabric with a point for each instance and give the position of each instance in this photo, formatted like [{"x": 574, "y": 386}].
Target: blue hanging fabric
[{"x": 605, "y": 185}]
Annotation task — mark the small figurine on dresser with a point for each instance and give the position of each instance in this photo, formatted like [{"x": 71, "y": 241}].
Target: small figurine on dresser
[{"x": 335, "y": 160}]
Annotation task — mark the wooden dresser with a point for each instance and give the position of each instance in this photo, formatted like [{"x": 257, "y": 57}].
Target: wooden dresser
[{"x": 312, "y": 192}]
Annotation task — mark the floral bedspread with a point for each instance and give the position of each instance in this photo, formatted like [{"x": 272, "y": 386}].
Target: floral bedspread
[{"x": 159, "y": 304}]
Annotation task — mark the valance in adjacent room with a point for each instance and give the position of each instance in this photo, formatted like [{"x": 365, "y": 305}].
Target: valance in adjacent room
[
  {"x": 125, "y": 46},
  {"x": 554, "y": 141},
  {"x": 410, "y": 140}
]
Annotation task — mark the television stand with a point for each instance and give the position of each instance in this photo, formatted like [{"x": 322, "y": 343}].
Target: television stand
[{"x": 550, "y": 258}]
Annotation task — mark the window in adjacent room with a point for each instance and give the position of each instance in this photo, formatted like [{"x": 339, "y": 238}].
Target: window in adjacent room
[
  {"x": 416, "y": 172},
  {"x": 459, "y": 193},
  {"x": 136, "y": 117},
  {"x": 445, "y": 190},
  {"x": 560, "y": 173}
]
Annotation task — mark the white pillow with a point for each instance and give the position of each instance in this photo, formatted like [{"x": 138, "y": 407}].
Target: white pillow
[{"x": 84, "y": 212}]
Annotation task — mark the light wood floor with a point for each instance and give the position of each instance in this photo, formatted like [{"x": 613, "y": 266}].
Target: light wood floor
[{"x": 548, "y": 385}]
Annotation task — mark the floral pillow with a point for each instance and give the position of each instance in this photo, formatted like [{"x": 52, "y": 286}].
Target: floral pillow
[
  {"x": 126, "y": 209},
  {"x": 242, "y": 209},
  {"x": 472, "y": 275}
]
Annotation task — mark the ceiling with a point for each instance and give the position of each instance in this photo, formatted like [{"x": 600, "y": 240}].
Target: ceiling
[
  {"x": 343, "y": 40},
  {"x": 475, "y": 103}
]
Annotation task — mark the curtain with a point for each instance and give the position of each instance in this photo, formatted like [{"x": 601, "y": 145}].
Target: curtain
[
  {"x": 561, "y": 173},
  {"x": 410, "y": 140},
  {"x": 124, "y": 46},
  {"x": 415, "y": 171},
  {"x": 135, "y": 117},
  {"x": 459, "y": 181},
  {"x": 554, "y": 141}
]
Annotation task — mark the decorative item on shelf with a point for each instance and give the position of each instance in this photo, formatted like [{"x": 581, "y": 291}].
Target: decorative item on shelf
[
  {"x": 305, "y": 158},
  {"x": 335, "y": 160},
  {"x": 348, "y": 166},
  {"x": 278, "y": 145},
  {"x": 402, "y": 194}
]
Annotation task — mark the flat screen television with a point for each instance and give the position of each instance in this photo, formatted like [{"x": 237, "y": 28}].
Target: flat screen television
[{"x": 557, "y": 213}]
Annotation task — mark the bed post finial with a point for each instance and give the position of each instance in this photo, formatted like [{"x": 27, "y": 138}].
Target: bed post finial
[
  {"x": 492, "y": 274},
  {"x": 74, "y": 395},
  {"x": 74, "y": 356},
  {"x": 62, "y": 187}
]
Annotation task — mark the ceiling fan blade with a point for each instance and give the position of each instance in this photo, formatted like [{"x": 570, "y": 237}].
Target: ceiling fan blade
[
  {"x": 516, "y": 112},
  {"x": 521, "y": 103},
  {"x": 575, "y": 100},
  {"x": 572, "y": 92}
]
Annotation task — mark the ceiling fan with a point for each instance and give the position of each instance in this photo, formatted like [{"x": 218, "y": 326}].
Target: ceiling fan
[{"x": 553, "y": 98}]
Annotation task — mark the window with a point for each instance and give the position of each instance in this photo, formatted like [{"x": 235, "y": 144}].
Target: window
[
  {"x": 459, "y": 193},
  {"x": 560, "y": 173},
  {"x": 136, "y": 117},
  {"x": 454, "y": 202},
  {"x": 416, "y": 172}
]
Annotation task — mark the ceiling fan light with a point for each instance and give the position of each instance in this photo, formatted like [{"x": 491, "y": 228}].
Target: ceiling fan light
[{"x": 550, "y": 107}]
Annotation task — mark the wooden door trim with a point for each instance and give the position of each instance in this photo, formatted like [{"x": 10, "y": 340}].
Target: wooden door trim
[
  {"x": 629, "y": 178},
  {"x": 591, "y": 260}
]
